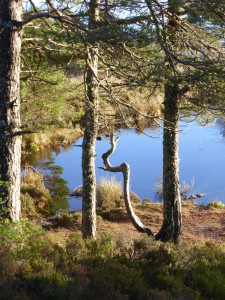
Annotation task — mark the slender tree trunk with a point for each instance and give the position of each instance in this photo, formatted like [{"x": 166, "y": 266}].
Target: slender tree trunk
[
  {"x": 10, "y": 143},
  {"x": 172, "y": 221},
  {"x": 90, "y": 134}
]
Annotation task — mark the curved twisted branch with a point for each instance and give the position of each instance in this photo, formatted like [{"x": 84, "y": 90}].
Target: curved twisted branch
[{"x": 125, "y": 169}]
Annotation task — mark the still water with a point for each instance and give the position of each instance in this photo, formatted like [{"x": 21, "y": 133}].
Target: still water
[{"x": 201, "y": 152}]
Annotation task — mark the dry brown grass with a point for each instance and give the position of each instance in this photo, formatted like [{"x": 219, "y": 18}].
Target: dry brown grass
[
  {"x": 150, "y": 104},
  {"x": 109, "y": 193},
  {"x": 37, "y": 142},
  {"x": 144, "y": 102},
  {"x": 199, "y": 223},
  {"x": 32, "y": 177}
]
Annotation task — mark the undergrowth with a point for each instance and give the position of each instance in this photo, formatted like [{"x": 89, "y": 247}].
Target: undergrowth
[{"x": 33, "y": 267}]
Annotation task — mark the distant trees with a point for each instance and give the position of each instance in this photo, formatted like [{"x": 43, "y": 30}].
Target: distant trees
[{"x": 10, "y": 139}]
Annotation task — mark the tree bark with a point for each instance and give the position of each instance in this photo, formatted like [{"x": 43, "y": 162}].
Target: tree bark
[
  {"x": 10, "y": 142},
  {"x": 172, "y": 215},
  {"x": 90, "y": 134}
]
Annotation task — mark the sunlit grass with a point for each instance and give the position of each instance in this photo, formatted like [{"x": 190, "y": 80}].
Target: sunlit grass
[{"x": 109, "y": 193}]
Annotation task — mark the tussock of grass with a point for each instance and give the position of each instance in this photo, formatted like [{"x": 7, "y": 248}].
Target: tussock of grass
[
  {"x": 135, "y": 198},
  {"x": 115, "y": 215},
  {"x": 109, "y": 194},
  {"x": 215, "y": 204}
]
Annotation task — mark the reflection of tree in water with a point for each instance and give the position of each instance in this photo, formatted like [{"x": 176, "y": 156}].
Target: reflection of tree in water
[
  {"x": 221, "y": 124},
  {"x": 57, "y": 186},
  {"x": 53, "y": 181},
  {"x": 34, "y": 158}
]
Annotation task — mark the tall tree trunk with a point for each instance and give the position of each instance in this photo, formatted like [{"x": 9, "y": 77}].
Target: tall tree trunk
[
  {"x": 90, "y": 134},
  {"x": 10, "y": 142},
  {"x": 172, "y": 214}
]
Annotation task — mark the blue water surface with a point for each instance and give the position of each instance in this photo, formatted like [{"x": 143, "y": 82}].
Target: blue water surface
[{"x": 201, "y": 152}]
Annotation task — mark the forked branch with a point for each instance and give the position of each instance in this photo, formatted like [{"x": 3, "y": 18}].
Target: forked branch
[{"x": 125, "y": 169}]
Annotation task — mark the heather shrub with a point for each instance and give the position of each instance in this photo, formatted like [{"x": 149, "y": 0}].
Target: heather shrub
[
  {"x": 67, "y": 220},
  {"x": 34, "y": 267}
]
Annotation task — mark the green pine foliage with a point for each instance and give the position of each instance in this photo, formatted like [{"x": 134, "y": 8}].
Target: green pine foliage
[{"x": 51, "y": 81}]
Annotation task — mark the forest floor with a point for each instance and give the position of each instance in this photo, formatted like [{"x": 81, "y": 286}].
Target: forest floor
[{"x": 199, "y": 224}]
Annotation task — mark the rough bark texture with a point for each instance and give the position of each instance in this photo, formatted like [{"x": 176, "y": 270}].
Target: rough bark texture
[
  {"x": 90, "y": 134},
  {"x": 172, "y": 221},
  {"x": 172, "y": 217},
  {"x": 10, "y": 144},
  {"x": 125, "y": 169}
]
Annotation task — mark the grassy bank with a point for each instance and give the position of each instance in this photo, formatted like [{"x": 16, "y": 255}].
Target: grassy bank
[{"x": 51, "y": 139}]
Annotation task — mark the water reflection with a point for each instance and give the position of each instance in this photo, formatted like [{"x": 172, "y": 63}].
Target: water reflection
[{"x": 202, "y": 157}]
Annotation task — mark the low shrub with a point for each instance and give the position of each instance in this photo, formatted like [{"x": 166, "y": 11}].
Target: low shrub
[
  {"x": 43, "y": 193},
  {"x": 27, "y": 205},
  {"x": 67, "y": 220},
  {"x": 33, "y": 267},
  {"x": 205, "y": 270}
]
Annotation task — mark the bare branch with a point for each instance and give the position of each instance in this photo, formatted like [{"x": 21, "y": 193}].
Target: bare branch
[
  {"x": 35, "y": 17},
  {"x": 58, "y": 13},
  {"x": 124, "y": 168}
]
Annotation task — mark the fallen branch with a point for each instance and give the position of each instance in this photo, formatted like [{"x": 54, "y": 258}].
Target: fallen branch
[{"x": 125, "y": 169}]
